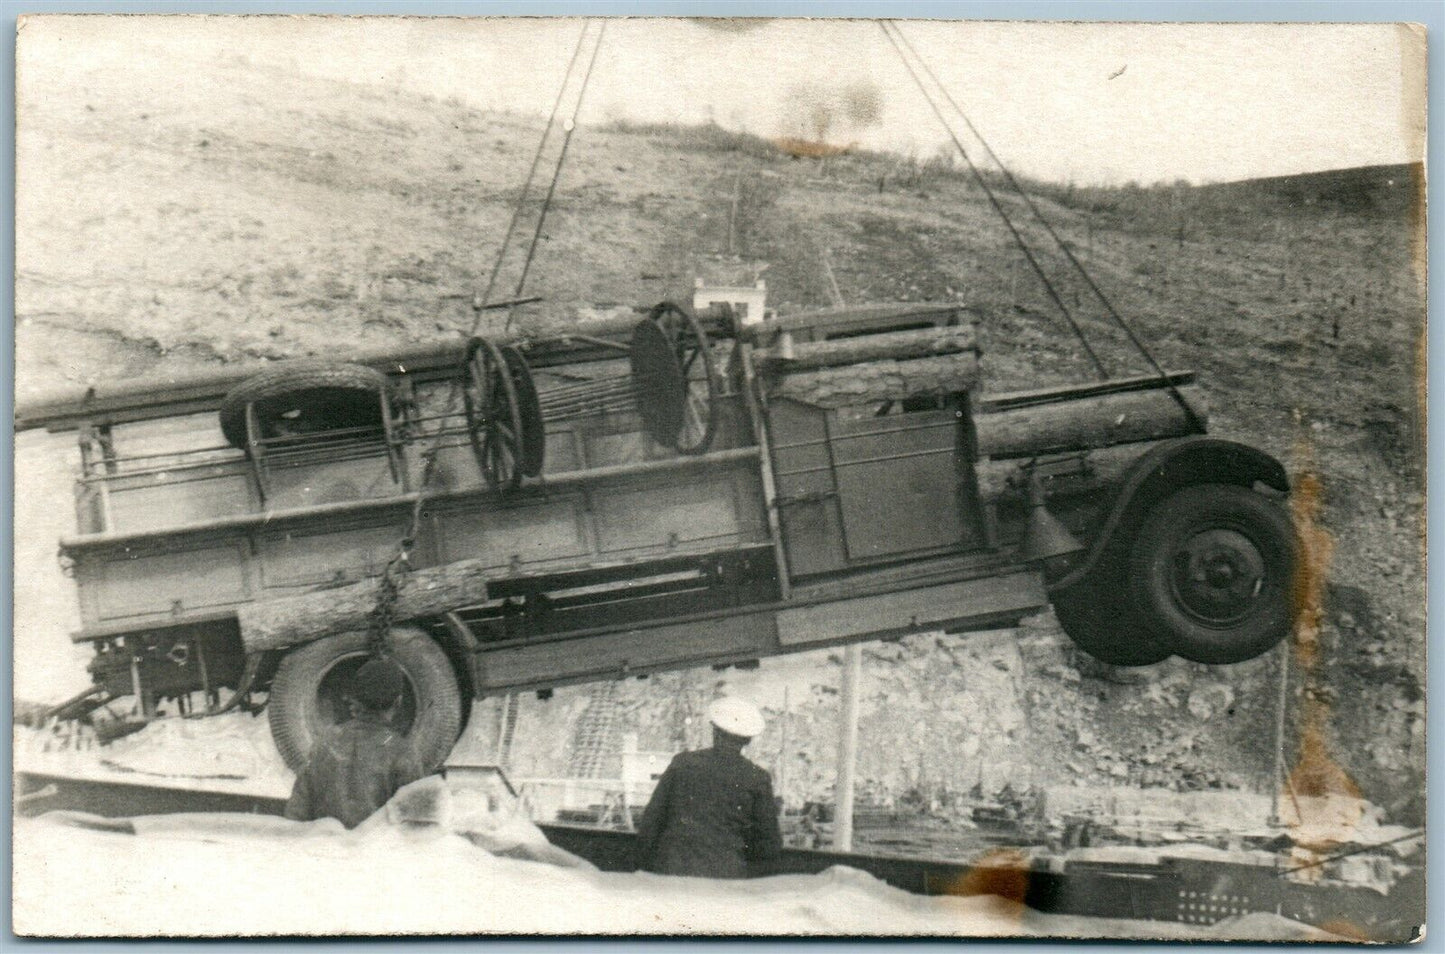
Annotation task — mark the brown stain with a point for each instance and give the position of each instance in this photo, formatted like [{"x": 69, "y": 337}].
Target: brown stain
[
  {"x": 1348, "y": 930},
  {"x": 1316, "y": 773},
  {"x": 821, "y": 114},
  {"x": 808, "y": 148},
  {"x": 1000, "y": 872}
]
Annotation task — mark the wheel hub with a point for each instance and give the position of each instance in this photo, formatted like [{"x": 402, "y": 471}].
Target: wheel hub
[{"x": 1217, "y": 576}]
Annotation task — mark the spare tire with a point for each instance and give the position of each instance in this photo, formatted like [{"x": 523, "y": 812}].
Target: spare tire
[
  {"x": 310, "y": 689},
  {"x": 331, "y": 394}
]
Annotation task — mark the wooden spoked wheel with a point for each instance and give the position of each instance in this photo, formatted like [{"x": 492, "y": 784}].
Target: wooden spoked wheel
[
  {"x": 494, "y": 415},
  {"x": 529, "y": 407},
  {"x": 674, "y": 380}
]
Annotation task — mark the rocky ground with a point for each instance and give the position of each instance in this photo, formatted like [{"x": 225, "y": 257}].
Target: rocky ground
[{"x": 249, "y": 214}]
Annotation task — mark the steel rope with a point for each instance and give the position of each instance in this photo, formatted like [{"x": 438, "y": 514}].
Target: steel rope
[
  {"x": 479, "y": 302},
  {"x": 997, "y": 206},
  {"x": 570, "y": 127},
  {"x": 1049, "y": 228},
  {"x": 397, "y": 566}
]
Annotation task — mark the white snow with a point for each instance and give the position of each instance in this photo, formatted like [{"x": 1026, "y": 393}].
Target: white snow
[
  {"x": 389, "y": 880},
  {"x": 417, "y": 868},
  {"x": 228, "y": 875}
]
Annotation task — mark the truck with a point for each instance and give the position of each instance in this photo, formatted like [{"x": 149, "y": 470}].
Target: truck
[{"x": 655, "y": 490}]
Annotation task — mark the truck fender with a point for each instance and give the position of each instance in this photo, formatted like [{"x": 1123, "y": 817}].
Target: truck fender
[{"x": 1168, "y": 467}]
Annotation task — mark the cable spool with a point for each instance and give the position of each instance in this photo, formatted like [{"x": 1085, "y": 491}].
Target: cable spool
[
  {"x": 674, "y": 378},
  {"x": 672, "y": 386},
  {"x": 495, "y": 426}
]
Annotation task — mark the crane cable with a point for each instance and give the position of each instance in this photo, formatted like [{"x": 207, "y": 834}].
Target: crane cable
[
  {"x": 1078, "y": 266},
  {"x": 388, "y": 588},
  {"x": 570, "y": 127},
  {"x": 479, "y": 303},
  {"x": 997, "y": 206}
]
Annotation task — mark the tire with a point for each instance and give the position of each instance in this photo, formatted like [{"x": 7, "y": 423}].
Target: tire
[
  {"x": 1212, "y": 569},
  {"x": 335, "y": 389},
  {"x": 308, "y": 694},
  {"x": 1101, "y": 624}
]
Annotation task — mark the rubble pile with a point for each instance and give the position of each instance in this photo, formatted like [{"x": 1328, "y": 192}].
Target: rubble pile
[{"x": 943, "y": 714}]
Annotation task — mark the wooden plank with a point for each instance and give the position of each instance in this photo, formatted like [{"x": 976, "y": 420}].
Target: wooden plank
[
  {"x": 80, "y": 542},
  {"x": 131, "y": 584}
]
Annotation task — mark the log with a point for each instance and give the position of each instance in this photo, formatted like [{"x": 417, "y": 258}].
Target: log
[
  {"x": 596, "y": 322},
  {"x": 1090, "y": 422},
  {"x": 289, "y": 620},
  {"x": 875, "y": 381},
  {"x": 893, "y": 345},
  {"x": 1102, "y": 467}
]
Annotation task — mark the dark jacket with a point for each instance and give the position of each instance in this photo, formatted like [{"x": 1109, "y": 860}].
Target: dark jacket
[
  {"x": 353, "y": 771},
  {"x": 711, "y": 816}
]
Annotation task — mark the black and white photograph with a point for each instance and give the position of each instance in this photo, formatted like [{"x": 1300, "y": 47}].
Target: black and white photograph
[{"x": 514, "y": 476}]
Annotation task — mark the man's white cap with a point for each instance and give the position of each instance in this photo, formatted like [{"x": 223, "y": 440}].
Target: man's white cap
[{"x": 736, "y": 717}]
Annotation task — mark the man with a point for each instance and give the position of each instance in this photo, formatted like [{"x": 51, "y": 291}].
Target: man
[
  {"x": 356, "y": 767},
  {"x": 712, "y": 814}
]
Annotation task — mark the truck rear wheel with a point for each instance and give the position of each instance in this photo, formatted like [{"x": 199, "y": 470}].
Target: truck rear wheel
[
  {"x": 1212, "y": 566},
  {"x": 309, "y": 695}
]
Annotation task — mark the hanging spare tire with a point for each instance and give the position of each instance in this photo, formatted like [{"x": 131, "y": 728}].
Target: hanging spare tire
[
  {"x": 310, "y": 694},
  {"x": 309, "y": 394},
  {"x": 1212, "y": 568}
]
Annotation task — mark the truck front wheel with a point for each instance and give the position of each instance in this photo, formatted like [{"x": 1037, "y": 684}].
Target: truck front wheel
[
  {"x": 1096, "y": 619},
  {"x": 310, "y": 694},
  {"x": 1212, "y": 568}
]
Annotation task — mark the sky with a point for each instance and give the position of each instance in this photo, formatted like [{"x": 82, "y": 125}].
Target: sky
[{"x": 1088, "y": 103}]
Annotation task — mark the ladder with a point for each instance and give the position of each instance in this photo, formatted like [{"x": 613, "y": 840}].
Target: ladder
[
  {"x": 594, "y": 739},
  {"x": 508, "y": 730}
]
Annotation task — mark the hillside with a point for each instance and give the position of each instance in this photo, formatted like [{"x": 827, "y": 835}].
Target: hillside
[{"x": 247, "y": 213}]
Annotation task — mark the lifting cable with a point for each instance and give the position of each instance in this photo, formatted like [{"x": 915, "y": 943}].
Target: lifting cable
[
  {"x": 1038, "y": 214},
  {"x": 569, "y": 127},
  {"x": 391, "y": 576},
  {"x": 997, "y": 206},
  {"x": 479, "y": 303}
]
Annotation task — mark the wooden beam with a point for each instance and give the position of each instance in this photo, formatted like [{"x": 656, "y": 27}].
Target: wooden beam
[
  {"x": 290, "y": 620},
  {"x": 877, "y": 381},
  {"x": 1084, "y": 423},
  {"x": 888, "y": 346}
]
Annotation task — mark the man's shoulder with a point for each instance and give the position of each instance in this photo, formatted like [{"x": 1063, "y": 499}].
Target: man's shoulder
[{"x": 734, "y": 763}]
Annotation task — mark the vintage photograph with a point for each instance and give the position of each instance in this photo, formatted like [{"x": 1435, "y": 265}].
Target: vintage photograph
[{"x": 625, "y": 476}]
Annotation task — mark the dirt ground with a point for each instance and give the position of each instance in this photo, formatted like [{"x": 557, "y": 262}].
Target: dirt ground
[{"x": 164, "y": 227}]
